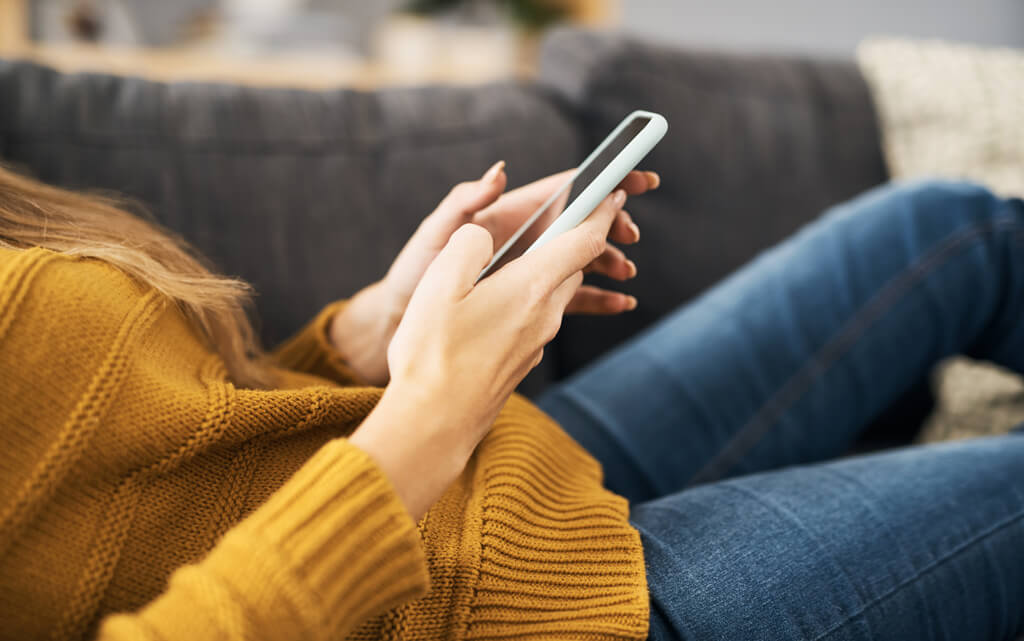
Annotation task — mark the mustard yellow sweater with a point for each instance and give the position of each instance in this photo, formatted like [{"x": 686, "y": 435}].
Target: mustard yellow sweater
[{"x": 144, "y": 497}]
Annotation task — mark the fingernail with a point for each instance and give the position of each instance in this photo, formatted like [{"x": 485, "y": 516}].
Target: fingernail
[
  {"x": 630, "y": 303},
  {"x": 619, "y": 197},
  {"x": 632, "y": 268},
  {"x": 492, "y": 173},
  {"x": 635, "y": 230},
  {"x": 653, "y": 180}
]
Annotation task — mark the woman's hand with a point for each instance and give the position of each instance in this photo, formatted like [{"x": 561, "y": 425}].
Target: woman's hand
[
  {"x": 364, "y": 329},
  {"x": 462, "y": 347}
]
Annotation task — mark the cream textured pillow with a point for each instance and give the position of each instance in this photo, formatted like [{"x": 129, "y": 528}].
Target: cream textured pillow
[
  {"x": 955, "y": 111},
  {"x": 973, "y": 399},
  {"x": 949, "y": 110}
]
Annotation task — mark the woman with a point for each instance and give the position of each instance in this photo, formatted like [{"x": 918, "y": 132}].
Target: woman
[{"x": 164, "y": 479}]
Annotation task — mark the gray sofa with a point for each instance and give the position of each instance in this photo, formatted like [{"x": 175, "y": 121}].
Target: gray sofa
[{"x": 309, "y": 195}]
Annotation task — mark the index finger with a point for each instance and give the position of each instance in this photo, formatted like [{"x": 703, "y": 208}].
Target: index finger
[
  {"x": 637, "y": 182},
  {"x": 530, "y": 196}
]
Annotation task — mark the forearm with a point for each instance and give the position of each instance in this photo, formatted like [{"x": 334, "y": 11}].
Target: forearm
[
  {"x": 297, "y": 567},
  {"x": 419, "y": 441}
]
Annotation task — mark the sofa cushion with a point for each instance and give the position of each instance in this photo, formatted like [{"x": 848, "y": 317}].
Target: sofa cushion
[
  {"x": 949, "y": 109},
  {"x": 975, "y": 398},
  {"x": 308, "y": 195},
  {"x": 756, "y": 147}
]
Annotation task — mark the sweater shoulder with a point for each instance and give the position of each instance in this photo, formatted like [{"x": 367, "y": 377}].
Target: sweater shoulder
[
  {"x": 45, "y": 291},
  {"x": 43, "y": 271},
  {"x": 65, "y": 323},
  {"x": 65, "y": 312},
  {"x": 69, "y": 330}
]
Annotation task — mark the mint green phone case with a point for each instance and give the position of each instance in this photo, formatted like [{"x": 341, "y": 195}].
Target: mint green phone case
[{"x": 599, "y": 188}]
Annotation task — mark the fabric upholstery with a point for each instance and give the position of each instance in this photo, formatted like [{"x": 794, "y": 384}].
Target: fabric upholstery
[
  {"x": 274, "y": 185},
  {"x": 948, "y": 109},
  {"x": 975, "y": 398},
  {"x": 756, "y": 146}
]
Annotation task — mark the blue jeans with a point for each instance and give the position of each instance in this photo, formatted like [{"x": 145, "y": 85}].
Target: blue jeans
[{"x": 716, "y": 424}]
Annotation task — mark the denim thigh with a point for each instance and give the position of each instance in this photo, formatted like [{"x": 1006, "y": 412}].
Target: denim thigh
[
  {"x": 788, "y": 360},
  {"x": 924, "y": 542}
]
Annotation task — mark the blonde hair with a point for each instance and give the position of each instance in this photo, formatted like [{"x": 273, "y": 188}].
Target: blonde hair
[{"x": 33, "y": 214}]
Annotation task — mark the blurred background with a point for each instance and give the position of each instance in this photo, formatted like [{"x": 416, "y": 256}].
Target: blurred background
[{"x": 369, "y": 44}]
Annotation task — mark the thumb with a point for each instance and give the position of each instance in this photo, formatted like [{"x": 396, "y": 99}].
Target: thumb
[
  {"x": 573, "y": 250},
  {"x": 455, "y": 269}
]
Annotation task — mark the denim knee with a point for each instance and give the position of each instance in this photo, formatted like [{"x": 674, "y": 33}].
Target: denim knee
[{"x": 954, "y": 202}]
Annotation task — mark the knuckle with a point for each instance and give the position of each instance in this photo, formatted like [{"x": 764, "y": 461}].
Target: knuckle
[
  {"x": 553, "y": 326},
  {"x": 476, "y": 234},
  {"x": 455, "y": 202},
  {"x": 537, "y": 292},
  {"x": 551, "y": 334},
  {"x": 595, "y": 244},
  {"x": 460, "y": 189},
  {"x": 537, "y": 358}
]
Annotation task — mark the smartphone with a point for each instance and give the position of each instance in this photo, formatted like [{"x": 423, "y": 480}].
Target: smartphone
[{"x": 591, "y": 183}]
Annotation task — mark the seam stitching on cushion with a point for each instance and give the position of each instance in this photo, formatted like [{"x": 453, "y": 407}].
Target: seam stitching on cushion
[
  {"x": 164, "y": 143},
  {"x": 744, "y": 93}
]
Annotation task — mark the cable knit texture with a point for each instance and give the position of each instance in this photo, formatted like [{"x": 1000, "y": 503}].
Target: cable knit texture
[{"x": 142, "y": 496}]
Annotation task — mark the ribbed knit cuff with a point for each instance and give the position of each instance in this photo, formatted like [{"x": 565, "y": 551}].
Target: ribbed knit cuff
[
  {"x": 331, "y": 548},
  {"x": 311, "y": 351}
]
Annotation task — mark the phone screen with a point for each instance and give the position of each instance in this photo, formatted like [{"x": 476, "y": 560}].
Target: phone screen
[{"x": 560, "y": 200}]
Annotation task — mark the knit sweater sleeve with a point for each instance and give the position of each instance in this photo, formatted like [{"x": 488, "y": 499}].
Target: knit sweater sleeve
[
  {"x": 330, "y": 549},
  {"x": 310, "y": 350}
]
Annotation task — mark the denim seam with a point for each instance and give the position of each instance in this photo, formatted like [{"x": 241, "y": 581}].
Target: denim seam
[
  {"x": 837, "y": 346},
  {"x": 981, "y": 536}
]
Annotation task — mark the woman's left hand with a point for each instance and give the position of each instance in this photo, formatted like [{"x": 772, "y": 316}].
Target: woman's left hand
[{"x": 363, "y": 330}]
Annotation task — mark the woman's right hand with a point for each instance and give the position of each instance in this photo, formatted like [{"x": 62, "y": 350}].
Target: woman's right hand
[{"x": 462, "y": 347}]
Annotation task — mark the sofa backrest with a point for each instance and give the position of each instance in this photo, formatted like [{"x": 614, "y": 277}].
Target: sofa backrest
[
  {"x": 756, "y": 147},
  {"x": 308, "y": 195}
]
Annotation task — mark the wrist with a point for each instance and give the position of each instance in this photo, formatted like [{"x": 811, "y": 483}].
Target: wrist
[
  {"x": 408, "y": 435},
  {"x": 361, "y": 331}
]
